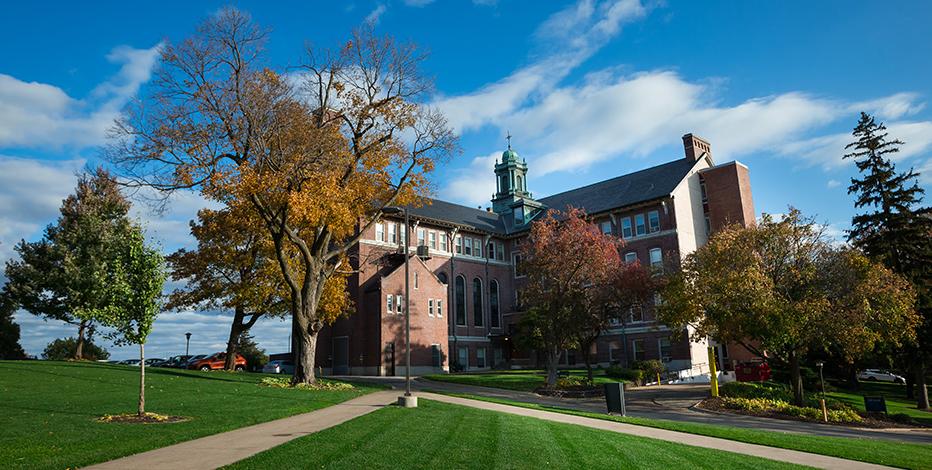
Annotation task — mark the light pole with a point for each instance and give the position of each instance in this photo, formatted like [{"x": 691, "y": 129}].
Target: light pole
[
  {"x": 822, "y": 401},
  {"x": 408, "y": 400},
  {"x": 187, "y": 343}
]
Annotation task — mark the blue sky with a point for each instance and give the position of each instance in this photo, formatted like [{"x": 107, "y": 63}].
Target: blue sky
[{"x": 588, "y": 89}]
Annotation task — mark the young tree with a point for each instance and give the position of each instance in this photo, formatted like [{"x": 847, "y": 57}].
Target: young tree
[
  {"x": 894, "y": 229},
  {"x": 62, "y": 276},
  {"x": 568, "y": 262},
  {"x": 255, "y": 356},
  {"x": 315, "y": 155},
  {"x": 234, "y": 268},
  {"x": 62, "y": 349},
  {"x": 781, "y": 287},
  {"x": 136, "y": 288},
  {"x": 10, "y": 348}
]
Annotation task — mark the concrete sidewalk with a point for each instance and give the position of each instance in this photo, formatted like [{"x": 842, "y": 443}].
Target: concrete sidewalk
[
  {"x": 229, "y": 447},
  {"x": 772, "y": 453}
]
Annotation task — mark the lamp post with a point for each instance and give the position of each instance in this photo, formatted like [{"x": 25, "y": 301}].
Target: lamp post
[
  {"x": 408, "y": 400},
  {"x": 187, "y": 343},
  {"x": 822, "y": 400}
]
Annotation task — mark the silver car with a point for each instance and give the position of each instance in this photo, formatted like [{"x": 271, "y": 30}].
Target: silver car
[
  {"x": 880, "y": 375},
  {"x": 279, "y": 367}
]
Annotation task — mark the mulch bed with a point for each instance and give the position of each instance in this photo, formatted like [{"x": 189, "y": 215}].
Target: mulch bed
[
  {"x": 581, "y": 392},
  {"x": 148, "y": 418},
  {"x": 868, "y": 421}
]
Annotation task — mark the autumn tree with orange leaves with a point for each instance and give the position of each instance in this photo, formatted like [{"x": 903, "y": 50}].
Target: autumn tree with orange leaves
[
  {"x": 314, "y": 154},
  {"x": 571, "y": 269}
]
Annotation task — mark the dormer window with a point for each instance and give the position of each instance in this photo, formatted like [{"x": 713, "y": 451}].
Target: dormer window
[{"x": 519, "y": 215}]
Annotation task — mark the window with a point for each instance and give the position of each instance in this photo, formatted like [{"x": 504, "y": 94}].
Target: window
[
  {"x": 708, "y": 226},
  {"x": 614, "y": 353},
  {"x": 459, "y": 244},
  {"x": 639, "y": 224},
  {"x": 491, "y": 250},
  {"x": 663, "y": 344},
  {"x": 443, "y": 278},
  {"x": 432, "y": 236},
  {"x": 477, "y": 301},
  {"x": 380, "y": 232},
  {"x": 467, "y": 247},
  {"x": 626, "y": 228},
  {"x": 494, "y": 320},
  {"x": 637, "y": 350},
  {"x": 480, "y": 357},
  {"x": 631, "y": 257},
  {"x": 635, "y": 314},
  {"x": 501, "y": 252},
  {"x": 439, "y": 308},
  {"x": 519, "y": 186},
  {"x": 653, "y": 220},
  {"x": 463, "y": 358},
  {"x": 606, "y": 227},
  {"x": 519, "y": 268},
  {"x": 705, "y": 196},
  {"x": 658, "y": 300},
  {"x": 421, "y": 233},
  {"x": 416, "y": 278},
  {"x": 389, "y": 305},
  {"x": 477, "y": 247},
  {"x": 436, "y": 355},
  {"x": 459, "y": 290},
  {"x": 519, "y": 215},
  {"x": 656, "y": 258},
  {"x": 393, "y": 233},
  {"x": 443, "y": 241},
  {"x": 430, "y": 307},
  {"x": 398, "y": 300}
]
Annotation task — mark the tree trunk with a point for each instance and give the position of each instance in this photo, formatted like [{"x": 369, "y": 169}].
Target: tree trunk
[
  {"x": 79, "y": 349},
  {"x": 796, "y": 379},
  {"x": 142, "y": 380},
  {"x": 306, "y": 342},
  {"x": 922, "y": 392},
  {"x": 588, "y": 365},
  {"x": 553, "y": 359},
  {"x": 853, "y": 382},
  {"x": 235, "y": 329},
  {"x": 910, "y": 382}
]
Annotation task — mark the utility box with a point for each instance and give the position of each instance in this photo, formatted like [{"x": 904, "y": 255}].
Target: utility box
[{"x": 615, "y": 397}]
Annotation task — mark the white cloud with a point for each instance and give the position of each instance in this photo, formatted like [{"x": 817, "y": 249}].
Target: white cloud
[
  {"x": 418, "y": 3},
  {"x": 832, "y": 184},
  {"x": 826, "y": 150},
  {"x": 890, "y": 107},
  {"x": 38, "y": 115},
  {"x": 474, "y": 185},
  {"x": 374, "y": 15}
]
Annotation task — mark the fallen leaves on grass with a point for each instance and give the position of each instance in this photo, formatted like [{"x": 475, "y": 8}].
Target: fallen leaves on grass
[{"x": 285, "y": 382}]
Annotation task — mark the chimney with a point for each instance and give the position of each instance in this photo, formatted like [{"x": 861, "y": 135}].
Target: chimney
[{"x": 695, "y": 146}]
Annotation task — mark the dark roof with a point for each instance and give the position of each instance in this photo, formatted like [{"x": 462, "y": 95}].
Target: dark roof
[
  {"x": 640, "y": 186},
  {"x": 632, "y": 188}
]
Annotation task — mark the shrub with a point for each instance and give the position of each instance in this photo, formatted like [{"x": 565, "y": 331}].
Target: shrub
[
  {"x": 63, "y": 349},
  {"x": 768, "y": 390},
  {"x": 762, "y": 405},
  {"x": 572, "y": 382},
  {"x": 285, "y": 382},
  {"x": 651, "y": 368},
  {"x": 629, "y": 375}
]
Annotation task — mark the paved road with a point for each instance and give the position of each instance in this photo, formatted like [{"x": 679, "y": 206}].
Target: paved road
[{"x": 671, "y": 402}]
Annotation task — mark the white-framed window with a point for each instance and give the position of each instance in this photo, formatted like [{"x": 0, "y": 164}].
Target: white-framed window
[
  {"x": 477, "y": 247},
  {"x": 463, "y": 357},
  {"x": 708, "y": 226},
  {"x": 467, "y": 246},
  {"x": 398, "y": 304},
  {"x": 459, "y": 244},
  {"x": 443, "y": 241},
  {"x": 389, "y": 304},
  {"x": 702, "y": 190},
  {"x": 421, "y": 235},
  {"x": 656, "y": 257},
  {"x": 432, "y": 236},
  {"x": 501, "y": 252},
  {"x": 480, "y": 357},
  {"x": 491, "y": 251},
  {"x": 631, "y": 257},
  {"x": 416, "y": 281},
  {"x": 638, "y": 353},
  {"x": 626, "y": 230},
  {"x": 658, "y": 300},
  {"x": 519, "y": 268},
  {"x": 639, "y": 225},
  {"x": 380, "y": 231},
  {"x": 635, "y": 314},
  {"x": 393, "y": 233},
  {"x": 615, "y": 354},
  {"x": 665, "y": 348},
  {"x": 439, "y": 303},
  {"x": 606, "y": 227},
  {"x": 430, "y": 307},
  {"x": 653, "y": 221}
]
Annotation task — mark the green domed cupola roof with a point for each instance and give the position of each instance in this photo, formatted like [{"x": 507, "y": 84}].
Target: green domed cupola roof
[{"x": 509, "y": 156}]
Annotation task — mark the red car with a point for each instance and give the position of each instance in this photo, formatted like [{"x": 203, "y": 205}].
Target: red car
[
  {"x": 216, "y": 362},
  {"x": 754, "y": 371}
]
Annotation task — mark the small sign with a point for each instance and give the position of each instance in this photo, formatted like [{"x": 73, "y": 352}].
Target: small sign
[{"x": 875, "y": 405}]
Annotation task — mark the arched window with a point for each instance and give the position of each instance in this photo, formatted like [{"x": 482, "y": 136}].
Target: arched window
[
  {"x": 518, "y": 185},
  {"x": 494, "y": 320},
  {"x": 460, "y": 300},
  {"x": 442, "y": 277},
  {"x": 477, "y": 301}
]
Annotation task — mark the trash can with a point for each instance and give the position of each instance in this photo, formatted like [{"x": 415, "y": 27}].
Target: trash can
[{"x": 615, "y": 397}]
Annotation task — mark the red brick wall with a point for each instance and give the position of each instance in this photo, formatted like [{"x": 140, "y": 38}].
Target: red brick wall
[{"x": 728, "y": 190}]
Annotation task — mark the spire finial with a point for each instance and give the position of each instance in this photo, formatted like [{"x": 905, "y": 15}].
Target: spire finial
[{"x": 508, "y": 137}]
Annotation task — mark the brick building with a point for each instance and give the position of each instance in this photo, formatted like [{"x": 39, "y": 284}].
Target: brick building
[{"x": 465, "y": 298}]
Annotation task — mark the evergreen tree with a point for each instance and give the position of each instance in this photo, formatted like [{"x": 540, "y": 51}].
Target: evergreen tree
[
  {"x": 894, "y": 228},
  {"x": 9, "y": 332},
  {"x": 255, "y": 356}
]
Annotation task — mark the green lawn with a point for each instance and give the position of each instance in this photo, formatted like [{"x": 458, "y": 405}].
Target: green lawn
[
  {"x": 440, "y": 435},
  {"x": 881, "y": 452},
  {"x": 894, "y": 394},
  {"x": 521, "y": 380},
  {"x": 48, "y": 409}
]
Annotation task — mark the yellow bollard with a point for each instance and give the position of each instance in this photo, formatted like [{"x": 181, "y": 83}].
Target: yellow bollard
[
  {"x": 713, "y": 374},
  {"x": 824, "y": 410},
  {"x": 658, "y": 379}
]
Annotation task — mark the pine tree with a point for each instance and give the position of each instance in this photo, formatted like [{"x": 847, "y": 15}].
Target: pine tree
[
  {"x": 894, "y": 227},
  {"x": 9, "y": 332}
]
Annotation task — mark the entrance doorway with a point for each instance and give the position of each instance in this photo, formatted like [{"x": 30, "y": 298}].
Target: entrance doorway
[{"x": 341, "y": 355}]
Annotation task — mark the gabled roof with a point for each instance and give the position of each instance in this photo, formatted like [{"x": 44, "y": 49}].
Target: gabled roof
[{"x": 640, "y": 186}]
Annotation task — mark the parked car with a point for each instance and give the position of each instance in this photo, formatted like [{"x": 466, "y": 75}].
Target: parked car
[
  {"x": 752, "y": 371},
  {"x": 880, "y": 375},
  {"x": 187, "y": 363},
  {"x": 129, "y": 362},
  {"x": 154, "y": 362},
  {"x": 175, "y": 361},
  {"x": 279, "y": 367},
  {"x": 216, "y": 362}
]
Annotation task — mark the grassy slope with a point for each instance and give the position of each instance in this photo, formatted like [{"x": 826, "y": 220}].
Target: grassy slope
[
  {"x": 439, "y": 435},
  {"x": 894, "y": 394},
  {"x": 49, "y": 408},
  {"x": 867, "y": 450},
  {"x": 523, "y": 380}
]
